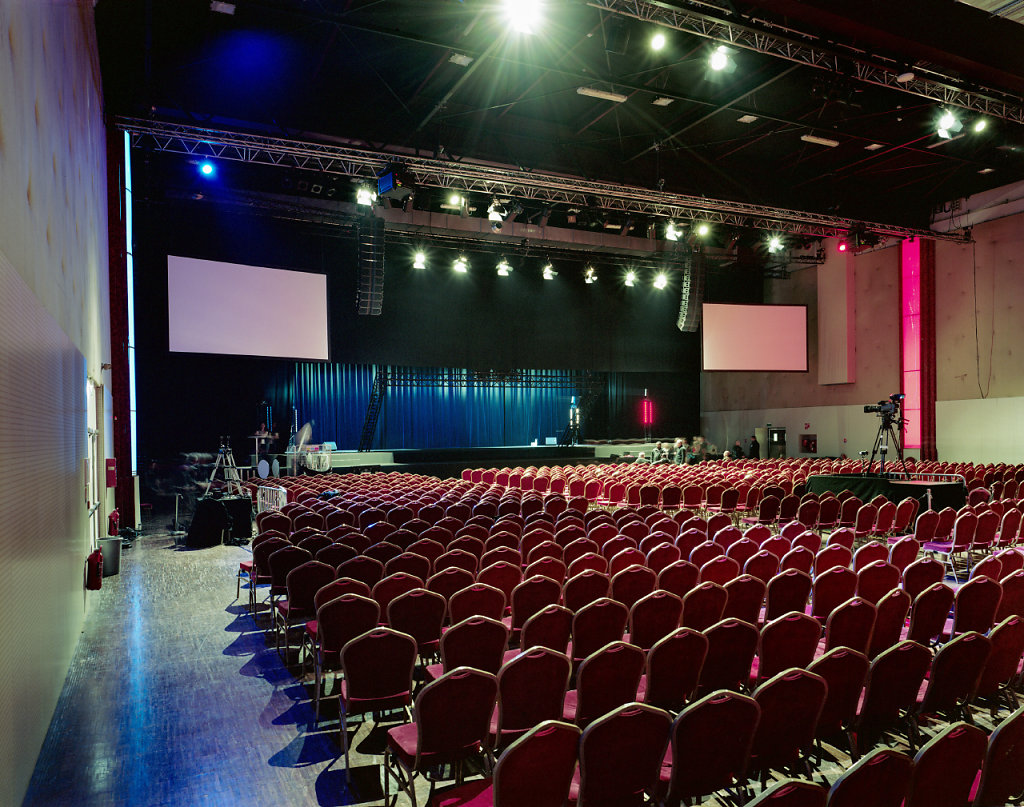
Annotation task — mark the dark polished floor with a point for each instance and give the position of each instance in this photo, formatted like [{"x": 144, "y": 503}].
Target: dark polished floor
[{"x": 174, "y": 698}]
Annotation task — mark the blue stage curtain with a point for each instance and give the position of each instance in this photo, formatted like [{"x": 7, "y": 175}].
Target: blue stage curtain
[{"x": 334, "y": 398}]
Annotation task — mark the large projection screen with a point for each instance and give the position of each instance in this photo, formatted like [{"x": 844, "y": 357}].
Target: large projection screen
[
  {"x": 228, "y": 308},
  {"x": 759, "y": 338}
]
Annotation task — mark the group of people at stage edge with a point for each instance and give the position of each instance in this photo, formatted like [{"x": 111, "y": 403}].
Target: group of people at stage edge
[{"x": 683, "y": 453}]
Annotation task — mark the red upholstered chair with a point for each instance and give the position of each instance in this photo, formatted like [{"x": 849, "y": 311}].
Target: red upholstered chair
[
  {"x": 302, "y": 583},
  {"x": 393, "y": 586},
  {"x": 550, "y": 627},
  {"x": 928, "y": 613},
  {"x": 631, "y": 584},
  {"x": 762, "y": 564},
  {"x": 364, "y": 569},
  {"x": 954, "y": 676},
  {"x": 704, "y": 605},
  {"x": 420, "y": 614},
  {"x": 654, "y": 617},
  {"x": 409, "y": 563},
  {"x": 890, "y": 619},
  {"x": 890, "y": 694},
  {"x": 787, "y": 641},
  {"x": 595, "y": 625},
  {"x": 673, "y": 670},
  {"x": 584, "y": 588},
  {"x": 528, "y": 598},
  {"x": 503, "y": 576},
  {"x": 477, "y": 599},
  {"x": 921, "y": 574},
  {"x": 531, "y": 689},
  {"x": 606, "y": 680},
  {"x": 280, "y": 564},
  {"x": 745, "y": 598},
  {"x": 620, "y": 756},
  {"x": 880, "y": 779},
  {"x": 452, "y": 720},
  {"x": 791, "y": 703},
  {"x": 792, "y": 793},
  {"x": 975, "y": 605},
  {"x": 448, "y": 582},
  {"x": 338, "y": 620},
  {"x": 799, "y": 557},
  {"x": 844, "y": 671},
  {"x": 1002, "y": 775},
  {"x": 478, "y": 642},
  {"x": 945, "y": 768},
  {"x": 831, "y": 588},
  {"x": 731, "y": 647}
]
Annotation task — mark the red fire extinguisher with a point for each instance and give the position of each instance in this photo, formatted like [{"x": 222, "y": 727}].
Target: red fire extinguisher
[
  {"x": 94, "y": 570},
  {"x": 113, "y": 521}
]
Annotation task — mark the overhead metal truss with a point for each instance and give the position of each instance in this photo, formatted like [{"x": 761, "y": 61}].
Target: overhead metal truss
[
  {"x": 455, "y": 378},
  {"x": 544, "y": 188},
  {"x": 711, "y": 22}
]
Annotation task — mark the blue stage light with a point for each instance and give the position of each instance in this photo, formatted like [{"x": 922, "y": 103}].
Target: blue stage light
[{"x": 206, "y": 168}]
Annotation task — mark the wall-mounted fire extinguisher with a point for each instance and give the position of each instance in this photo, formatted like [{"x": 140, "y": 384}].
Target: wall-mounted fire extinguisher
[
  {"x": 94, "y": 570},
  {"x": 113, "y": 522}
]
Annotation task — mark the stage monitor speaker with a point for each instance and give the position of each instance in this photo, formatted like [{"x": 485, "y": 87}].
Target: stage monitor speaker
[
  {"x": 370, "y": 283},
  {"x": 240, "y": 511},
  {"x": 209, "y": 524}
]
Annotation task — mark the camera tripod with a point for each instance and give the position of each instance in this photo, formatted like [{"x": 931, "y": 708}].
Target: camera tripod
[
  {"x": 886, "y": 432},
  {"x": 226, "y": 463}
]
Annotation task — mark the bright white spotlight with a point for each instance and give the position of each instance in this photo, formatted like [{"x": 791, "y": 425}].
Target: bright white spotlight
[
  {"x": 589, "y": 274},
  {"x": 703, "y": 229},
  {"x": 660, "y": 280},
  {"x": 671, "y": 233},
  {"x": 525, "y": 16},
  {"x": 419, "y": 261},
  {"x": 980, "y": 124},
  {"x": 774, "y": 244},
  {"x": 948, "y": 125},
  {"x": 947, "y": 120},
  {"x": 548, "y": 272},
  {"x": 504, "y": 268},
  {"x": 658, "y": 41},
  {"x": 365, "y": 196},
  {"x": 719, "y": 58},
  {"x": 461, "y": 265},
  {"x": 455, "y": 200},
  {"x": 631, "y": 278}
]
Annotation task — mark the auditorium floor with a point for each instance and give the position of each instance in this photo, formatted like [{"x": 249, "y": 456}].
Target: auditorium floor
[{"x": 174, "y": 698}]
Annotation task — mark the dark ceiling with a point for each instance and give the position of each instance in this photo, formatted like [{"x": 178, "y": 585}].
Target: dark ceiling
[{"x": 380, "y": 74}]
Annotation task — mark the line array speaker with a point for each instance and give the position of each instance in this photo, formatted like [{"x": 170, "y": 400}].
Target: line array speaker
[
  {"x": 370, "y": 283},
  {"x": 691, "y": 295}
]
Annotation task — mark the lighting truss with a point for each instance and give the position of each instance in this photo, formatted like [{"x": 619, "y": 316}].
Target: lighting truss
[
  {"x": 497, "y": 180},
  {"x": 408, "y": 377},
  {"x": 711, "y": 23}
]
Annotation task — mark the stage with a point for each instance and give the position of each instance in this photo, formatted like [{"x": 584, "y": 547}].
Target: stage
[{"x": 865, "y": 488}]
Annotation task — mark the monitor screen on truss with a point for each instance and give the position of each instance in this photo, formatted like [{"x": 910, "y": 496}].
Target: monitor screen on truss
[
  {"x": 760, "y": 338},
  {"x": 228, "y": 308}
]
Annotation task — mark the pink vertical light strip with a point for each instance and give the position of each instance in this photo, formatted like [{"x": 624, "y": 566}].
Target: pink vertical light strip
[{"x": 910, "y": 341}]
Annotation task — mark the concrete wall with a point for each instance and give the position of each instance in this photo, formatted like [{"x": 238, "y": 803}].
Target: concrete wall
[{"x": 55, "y": 335}]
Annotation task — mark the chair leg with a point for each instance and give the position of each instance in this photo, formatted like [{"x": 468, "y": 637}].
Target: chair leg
[{"x": 344, "y": 744}]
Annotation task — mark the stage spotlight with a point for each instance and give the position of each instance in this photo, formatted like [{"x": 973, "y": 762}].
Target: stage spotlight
[
  {"x": 419, "y": 261},
  {"x": 658, "y": 41},
  {"x": 504, "y": 268},
  {"x": 671, "y": 233},
  {"x": 948, "y": 125},
  {"x": 461, "y": 265},
  {"x": 548, "y": 271},
  {"x": 365, "y": 196},
  {"x": 589, "y": 274},
  {"x": 630, "y": 278},
  {"x": 703, "y": 229},
  {"x": 980, "y": 124},
  {"x": 455, "y": 200},
  {"x": 660, "y": 280},
  {"x": 843, "y": 245},
  {"x": 525, "y": 16},
  {"x": 774, "y": 244},
  {"x": 207, "y": 169},
  {"x": 719, "y": 59}
]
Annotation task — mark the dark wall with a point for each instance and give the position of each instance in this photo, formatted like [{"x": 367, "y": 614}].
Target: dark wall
[{"x": 431, "y": 318}]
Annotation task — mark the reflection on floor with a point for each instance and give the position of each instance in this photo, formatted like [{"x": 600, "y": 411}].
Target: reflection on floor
[{"x": 175, "y": 697}]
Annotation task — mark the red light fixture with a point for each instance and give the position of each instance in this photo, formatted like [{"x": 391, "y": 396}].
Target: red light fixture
[
  {"x": 842, "y": 246},
  {"x": 646, "y": 412}
]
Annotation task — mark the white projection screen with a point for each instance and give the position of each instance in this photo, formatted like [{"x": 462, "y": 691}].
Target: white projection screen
[
  {"x": 761, "y": 338},
  {"x": 215, "y": 307}
]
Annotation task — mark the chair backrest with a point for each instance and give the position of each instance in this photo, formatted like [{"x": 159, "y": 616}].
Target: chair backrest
[
  {"x": 745, "y": 598},
  {"x": 975, "y": 605},
  {"x": 832, "y": 588},
  {"x": 704, "y": 605},
  {"x": 742, "y": 550},
  {"x": 531, "y": 689},
  {"x": 876, "y": 580},
  {"x": 955, "y": 673},
  {"x": 410, "y": 563},
  {"x": 607, "y": 679},
  {"x": 711, "y": 742},
  {"x": 343, "y": 618},
  {"x": 339, "y": 586},
  {"x": 453, "y": 715},
  {"x": 787, "y": 641},
  {"x": 584, "y": 588},
  {"x": 419, "y": 613},
  {"x": 791, "y": 793},
  {"x": 890, "y": 618},
  {"x": 1002, "y": 775},
  {"x": 303, "y": 582},
  {"x": 844, "y": 536},
  {"x": 880, "y": 779},
  {"x": 282, "y": 562},
  {"x": 892, "y": 685},
  {"x": 477, "y": 642},
  {"x": 787, "y": 591},
  {"x": 904, "y": 552},
  {"x": 731, "y": 647},
  {"x": 631, "y": 584},
  {"x": 366, "y": 570},
  {"x": 448, "y": 582},
  {"x": 799, "y": 557},
  {"x": 720, "y": 569},
  {"x": 378, "y": 668},
  {"x": 921, "y": 574},
  {"x": 596, "y": 624},
  {"x": 928, "y": 613},
  {"x": 621, "y": 754},
  {"x": 549, "y": 627},
  {"x": 679, "y": 577},
  {"x": 845, "y": 671},
  {"x": 945, "y": 768},
  {"x": 791, "y": 703},
  {"x": 869, "y": 553},
  {"x": 394, "y": 586},
  {"x": 476, "y": 599},
  {"x": 654, "y": 617},
  {"x": 850, "y": 625},
  {"x": 673, "y": 669},
  {"x": 537, "y": 769},
  {"x": 503, "y": 575},
  {"x": 763, "y": 565},
  {"x": 830, "y": 557}
]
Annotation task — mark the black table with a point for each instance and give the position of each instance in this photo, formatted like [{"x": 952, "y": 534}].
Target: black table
[{"x": 866, "y": 487}]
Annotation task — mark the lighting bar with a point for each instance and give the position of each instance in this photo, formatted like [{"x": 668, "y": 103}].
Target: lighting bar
[
  {"x": 593, "y": 92},
  {"x": 821, "y": 141}
]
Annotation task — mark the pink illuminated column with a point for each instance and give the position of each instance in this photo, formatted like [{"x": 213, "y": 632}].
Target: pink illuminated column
[{"x": 917, "y": 345}]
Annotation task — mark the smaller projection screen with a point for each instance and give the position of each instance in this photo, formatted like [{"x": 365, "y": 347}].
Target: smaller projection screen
[
  {"x": 215, "y": 307},
  {"x": 760, "y": 338}
]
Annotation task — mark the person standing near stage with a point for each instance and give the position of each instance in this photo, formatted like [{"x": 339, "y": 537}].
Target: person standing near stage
[
  {"x": 755, "y": 448},
  {"x": 679, "y": 451},
  {"x": 659, "y": 454},
  {"x": 737, "y": 451}
]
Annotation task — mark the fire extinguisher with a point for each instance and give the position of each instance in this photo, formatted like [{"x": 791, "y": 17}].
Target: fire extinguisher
[
  {"x": 94, "y": 570},
  {"x": 113, "y": 522}
]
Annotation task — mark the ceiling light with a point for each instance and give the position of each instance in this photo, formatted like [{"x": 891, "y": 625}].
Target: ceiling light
[
  {"x": 905, "y": 77},
  {"x": 703, "y": 229},
  {"x": 842, "y": 246},
  {"x": 631, "y": 278},
  {"x": 774, "y": 244},
  {"x": 548, "y": 271},
  {"x": 593, "y": 92},
  {"x": 524, "y": 16},
  {"x": 455, "y": 200},
  {"x": 504, "y": 268},
  {"x": 461, "y": 59},
  {"x": 719, "y": 58},
  {"x": 365, "y": 196},
  {"x": 222, "y": 8},
  {"x": 980, "y": 124},
  {"x": 461, "y": 265},
  {"x": 821, "y": 141},
  {"x": 589, "y": 274},
  {"x": 671, "y": 233},
  {"x": 948, "y": 125},
  {"x": 419, "y": 261},
  {"x": 207, "y": 169},
  {"x": 660, "y": 280},
  {"x": 872, "y": 147},
  {"x": 986, "y": 170},
  {"x": 662, "y": 101},
  {"x": 746, "y": 119},
  {"x": 658, "y": 41}
]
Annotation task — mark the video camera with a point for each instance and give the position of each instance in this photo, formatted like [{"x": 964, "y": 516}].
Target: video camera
[{"x": 889, "y": 407}]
